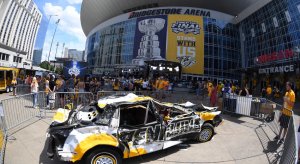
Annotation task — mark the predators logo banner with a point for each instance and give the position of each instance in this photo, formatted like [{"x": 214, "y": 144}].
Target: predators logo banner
[{"x": 186, "y": 42}]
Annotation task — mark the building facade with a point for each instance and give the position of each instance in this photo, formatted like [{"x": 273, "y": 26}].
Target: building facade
[
  {"x": 253, "y": 41},
  {"x": 121, "y": 43},
  {"x": 37, "y": 57},
  {"x": 19, "y": 24},
  {"x": 271, "y": 44},
  {"x": 74, "y": 54}
]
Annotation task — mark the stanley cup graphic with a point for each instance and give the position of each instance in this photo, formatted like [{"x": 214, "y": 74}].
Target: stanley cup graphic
[{"x": 149, "y": 45}]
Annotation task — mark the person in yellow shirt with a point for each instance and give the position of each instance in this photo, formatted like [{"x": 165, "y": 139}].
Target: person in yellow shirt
[
  {"x": 14, "y": 85},
  {"x": 233, "y": 88},
  {"x": 116, "y": 85},
  {"x": 159, "y": 85},
  {"x": 209, "y": 88},
  {"x": 288, "y": 104},
  {"x": 220, "y": 86}
]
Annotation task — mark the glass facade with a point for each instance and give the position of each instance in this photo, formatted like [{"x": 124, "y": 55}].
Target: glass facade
[
  {"x": 273, "y": 28},
  {"x": 221, "y": 49},
  {"x": 274, "y": 32},
  {"x": 113, "y": 46}
]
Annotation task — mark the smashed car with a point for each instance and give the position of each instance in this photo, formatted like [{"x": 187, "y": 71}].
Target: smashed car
[{"x": 120, "y": 127}]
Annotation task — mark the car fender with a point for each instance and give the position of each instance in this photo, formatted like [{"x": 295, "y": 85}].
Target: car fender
[
  {"x": 206, "y": 116},
  {"x": 82, "y": 140}
]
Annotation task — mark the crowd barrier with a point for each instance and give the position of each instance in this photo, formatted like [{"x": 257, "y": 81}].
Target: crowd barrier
[
  {"x": 3, "y": 140},
  {"x": 22, "y": 89},
  {"x": 272, "y": 115},
  {"x": 67, "y": 99},
  {"x": 20, "y": 109}
]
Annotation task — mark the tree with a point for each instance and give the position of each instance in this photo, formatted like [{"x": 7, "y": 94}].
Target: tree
[
  {"x": 59, "y": 70},
  {"x": 45, "y": 65}
]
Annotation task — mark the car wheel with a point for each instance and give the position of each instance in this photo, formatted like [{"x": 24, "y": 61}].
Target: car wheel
[
  {"x": 206, "y": 133},
  {"x": 7, "y": 89},
  {"x": 10, "y": 89},
  {"x": 105, "y": 156}
]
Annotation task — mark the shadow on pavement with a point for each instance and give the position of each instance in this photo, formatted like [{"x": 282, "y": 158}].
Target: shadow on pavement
[
  {"x": 44, "y": 159},
  {"x": 271, "y": 147},
  {"x": 156, "y": 156}
]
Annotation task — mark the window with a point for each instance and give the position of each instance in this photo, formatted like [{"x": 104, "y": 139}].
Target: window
[
  {"x": 133, "y": 115},
  {"x": 1, "y": 75}
]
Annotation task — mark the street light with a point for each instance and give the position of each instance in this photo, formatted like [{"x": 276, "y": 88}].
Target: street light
[
  {"x": 55, "y": 56},
  {"x": 53, "y": 39},
  {"x": 50, "y": 16}
]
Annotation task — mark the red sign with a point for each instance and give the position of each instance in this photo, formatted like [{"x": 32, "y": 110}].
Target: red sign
[{"x": 275, "y": 56}]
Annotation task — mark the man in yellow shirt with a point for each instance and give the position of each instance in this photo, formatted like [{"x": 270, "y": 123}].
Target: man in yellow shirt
[
  {"x": 288, "y": 104},
  {"x": 159, "y": 85}
]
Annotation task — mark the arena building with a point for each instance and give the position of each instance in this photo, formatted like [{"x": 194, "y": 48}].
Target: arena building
[{"x": 249, "y": 40}]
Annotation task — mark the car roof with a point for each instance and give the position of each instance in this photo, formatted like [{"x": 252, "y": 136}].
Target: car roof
[{"x": 129, "y": 99}]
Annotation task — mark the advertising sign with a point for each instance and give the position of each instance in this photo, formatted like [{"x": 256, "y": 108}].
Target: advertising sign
[
  {"x": 186, "y": 42},
  {"x": 277, "y": 69},
  {"x": 150, "y": 39}
]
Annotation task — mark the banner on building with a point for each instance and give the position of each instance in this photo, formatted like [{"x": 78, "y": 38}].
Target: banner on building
[
  {"x": 150, "y": 39},
  {"x": 185, "y": 42}
]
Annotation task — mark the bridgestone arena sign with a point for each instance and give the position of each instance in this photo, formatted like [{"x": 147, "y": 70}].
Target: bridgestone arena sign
[
  {"x": 154, "y": 12},
  {"x": 278, "y": 69}
]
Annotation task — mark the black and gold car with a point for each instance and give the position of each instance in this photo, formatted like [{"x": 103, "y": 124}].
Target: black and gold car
[{"x": 119, "y": 127}]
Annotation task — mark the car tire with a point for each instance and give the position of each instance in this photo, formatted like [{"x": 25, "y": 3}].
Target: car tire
[
  {"x": 206, "y": 133},
  {"x": 7, "y": 89},
  {"x": 10, "y": 89},
  {"x": 104, "y": 155}
]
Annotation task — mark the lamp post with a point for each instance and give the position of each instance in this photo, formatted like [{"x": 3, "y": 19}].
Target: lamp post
[
  {"x": 62, "y": 51},
  {"x": 53, "y": 39},
  {"x": 55, "y": 56}
]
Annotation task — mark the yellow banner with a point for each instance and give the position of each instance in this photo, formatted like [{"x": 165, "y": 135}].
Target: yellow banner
[{"x": 186, "y": 42}]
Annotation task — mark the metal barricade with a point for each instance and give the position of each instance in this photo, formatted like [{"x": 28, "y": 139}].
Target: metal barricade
[
  {"x": 68, "y": 99},
  {"x": 20, "y": 109},
  {"x": 22, "y": 89},
  {"x": 3, "y": 137},
  {"x": 273, "y": 115},
  {"x": 290, "y": 147}
]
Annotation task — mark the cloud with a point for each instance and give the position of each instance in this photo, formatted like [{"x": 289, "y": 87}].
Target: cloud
[
  {"x": 72, "y": 2},
  {"x": 69, "y": 27},
  {"x": 69, "y": 19}
]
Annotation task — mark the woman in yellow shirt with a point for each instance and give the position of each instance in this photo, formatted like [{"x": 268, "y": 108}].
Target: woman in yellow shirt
[{"x": 14, "y": 85}]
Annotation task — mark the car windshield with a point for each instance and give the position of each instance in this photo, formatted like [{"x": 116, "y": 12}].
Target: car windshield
[{"x": 105, "y": 116}]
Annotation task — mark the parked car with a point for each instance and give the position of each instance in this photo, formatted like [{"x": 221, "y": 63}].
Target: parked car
[{"x": 119, "y": 127}]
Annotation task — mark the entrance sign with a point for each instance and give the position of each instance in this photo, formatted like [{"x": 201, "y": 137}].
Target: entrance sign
[{"x": 277, "y": 69}]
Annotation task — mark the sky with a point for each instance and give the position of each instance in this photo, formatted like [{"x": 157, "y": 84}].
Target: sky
[{"x": 69, "y": 29}]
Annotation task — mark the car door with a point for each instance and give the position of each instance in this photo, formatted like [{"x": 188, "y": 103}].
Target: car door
[
  {"x": 143, "y": 135},
  {"x": 183, "y": 126}
]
